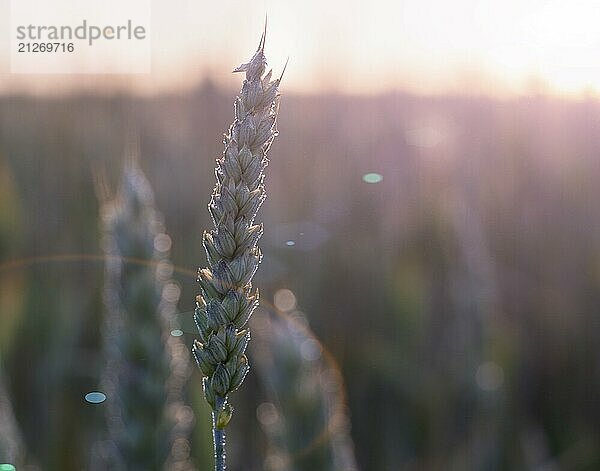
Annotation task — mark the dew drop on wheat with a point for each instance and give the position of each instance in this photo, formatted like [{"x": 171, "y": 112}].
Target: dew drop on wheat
[
  {"x": 177, "y": 332},
  {"x": 290, "y": 243}
]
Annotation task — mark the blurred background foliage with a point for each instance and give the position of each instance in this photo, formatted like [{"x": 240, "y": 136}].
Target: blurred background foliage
[{"x": 458, "y": 294}]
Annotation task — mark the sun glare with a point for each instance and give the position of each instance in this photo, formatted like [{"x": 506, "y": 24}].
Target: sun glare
[
  {"x": 553, "y": 42},
  {"x": 368, "y": 47}
]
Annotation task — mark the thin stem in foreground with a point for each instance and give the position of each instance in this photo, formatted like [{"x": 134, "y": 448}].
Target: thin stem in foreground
[{"x": 218, "y": 436}]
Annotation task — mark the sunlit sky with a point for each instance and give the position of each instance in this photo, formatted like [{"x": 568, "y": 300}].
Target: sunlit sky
[{"x": 426, "y": 46}]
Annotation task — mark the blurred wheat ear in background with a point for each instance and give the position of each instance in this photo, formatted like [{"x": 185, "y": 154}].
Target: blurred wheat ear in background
[
  {"x": 227, "y": 300},
  {"x": 147, "y": 368},
  {"x": 12, "y": 449},
  {"x": 306, "y": 420},
  {"x": 11, "y": 446}
]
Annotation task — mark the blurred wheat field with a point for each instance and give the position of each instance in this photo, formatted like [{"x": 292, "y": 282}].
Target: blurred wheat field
[{"x": 445, "y": 251}]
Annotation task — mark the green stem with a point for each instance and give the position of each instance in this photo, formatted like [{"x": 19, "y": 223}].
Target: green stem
[{"x": 218, "y": 436}]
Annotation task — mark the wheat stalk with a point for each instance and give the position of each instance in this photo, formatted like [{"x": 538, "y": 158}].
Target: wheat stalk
[
  {"x": 227, "y": 299},
  {"x": 147, "y": 368}
]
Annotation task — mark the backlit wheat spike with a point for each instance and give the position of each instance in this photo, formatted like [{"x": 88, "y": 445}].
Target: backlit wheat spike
[{"x": 227, "y": 298}]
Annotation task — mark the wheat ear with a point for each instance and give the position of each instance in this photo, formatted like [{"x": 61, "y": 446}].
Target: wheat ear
[
  {"x": 227, "y": 298},
  {"x": 146, "y": 370}
]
